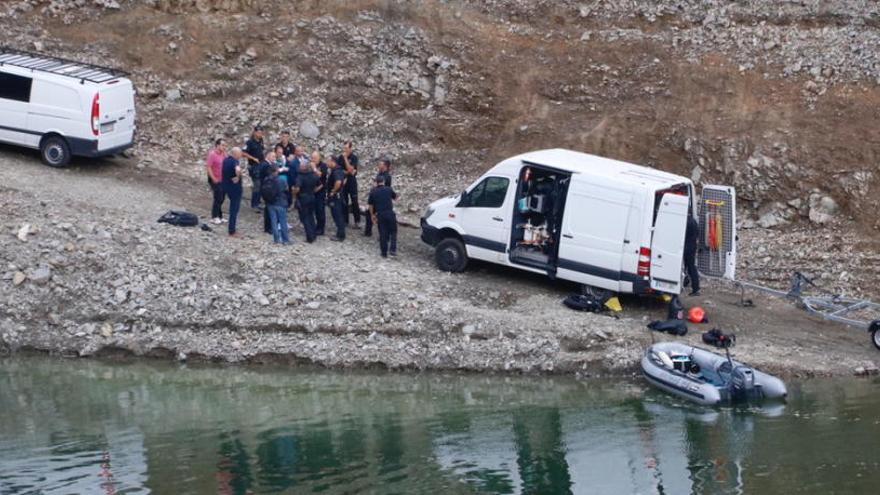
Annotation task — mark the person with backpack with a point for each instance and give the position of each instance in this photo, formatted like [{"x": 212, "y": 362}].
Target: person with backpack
[{"x": 272, "y": 190}]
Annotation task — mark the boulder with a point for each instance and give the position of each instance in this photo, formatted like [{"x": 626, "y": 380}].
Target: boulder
[
  {"x": 823, "y": 209},
  {"x": 309, "y": 130}
]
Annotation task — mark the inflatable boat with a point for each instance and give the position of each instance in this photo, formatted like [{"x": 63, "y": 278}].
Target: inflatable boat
[{"x": 706, "y": 378}]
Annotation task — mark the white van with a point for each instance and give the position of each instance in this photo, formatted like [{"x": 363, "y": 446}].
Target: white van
[
  {"x": 603, "y": 223},
  {"x": 64, "y": 108}
]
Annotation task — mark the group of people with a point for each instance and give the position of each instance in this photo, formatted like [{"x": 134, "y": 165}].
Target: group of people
[{"x": 285, "y": 178}]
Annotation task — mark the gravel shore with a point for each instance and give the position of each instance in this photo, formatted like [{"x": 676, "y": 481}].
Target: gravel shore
[{"x": 87, "y": 271}]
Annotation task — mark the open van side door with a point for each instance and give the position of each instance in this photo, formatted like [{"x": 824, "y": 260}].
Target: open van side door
[
  {"x": 667, "y": 243},
  {"x": 716, "y": 247}
]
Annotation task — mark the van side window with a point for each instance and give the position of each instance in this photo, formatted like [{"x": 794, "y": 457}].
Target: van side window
[
  {"x": 489, "y": 194},
  {"x": 14, "y": 87}
]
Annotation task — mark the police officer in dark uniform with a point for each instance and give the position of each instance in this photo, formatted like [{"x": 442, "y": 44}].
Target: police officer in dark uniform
[
  {"x": 307, "y": 186},
  {"x": 381, "y": 203},
  {"x": 321, "y": 170},
  {"x": 349, "y": 162},
  {"x": 383, "y": 169},
  {"x": 286, "y": 145},
  {"x": 691, "y": 234},
  {"x": 255, "y": 153},
  {"x": 335, "y": 184}
]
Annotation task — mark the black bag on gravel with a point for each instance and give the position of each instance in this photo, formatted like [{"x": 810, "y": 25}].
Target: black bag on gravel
[
  {"x": 180, "y": 218},
  {"x": 672, "y": 326},
  {"x": 717, "y": 338},
  {"x": 582, "y": 302}
]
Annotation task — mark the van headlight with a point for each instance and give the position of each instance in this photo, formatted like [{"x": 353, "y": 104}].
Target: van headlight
[{"x": 428, "y": 213}]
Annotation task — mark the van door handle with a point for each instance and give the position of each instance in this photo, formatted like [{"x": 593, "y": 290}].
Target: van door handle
[
  {"x": 568, "y": 236},
  {"x": 498, "y": 219}
]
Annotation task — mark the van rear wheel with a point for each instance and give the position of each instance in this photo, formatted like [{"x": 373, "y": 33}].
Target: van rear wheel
[
  {"x": 451, "y": 255},
  {"x": 55, "y": 152}
]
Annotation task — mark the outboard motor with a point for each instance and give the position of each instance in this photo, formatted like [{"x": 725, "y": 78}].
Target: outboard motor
[{"x": 742, "y": 384}]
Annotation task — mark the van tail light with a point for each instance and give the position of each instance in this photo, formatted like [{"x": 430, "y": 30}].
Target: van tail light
[
  {"x": 644, "y": 269},
  {"x": 96, "y": 111}
]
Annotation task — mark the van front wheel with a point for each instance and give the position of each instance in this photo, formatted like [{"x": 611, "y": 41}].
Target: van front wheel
[
  {"x": 451, "y": 256},
  {"x": 55, "y": 152}
]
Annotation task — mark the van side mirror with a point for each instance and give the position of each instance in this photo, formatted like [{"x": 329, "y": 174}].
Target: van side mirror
[{"x": 464, "y": 199}]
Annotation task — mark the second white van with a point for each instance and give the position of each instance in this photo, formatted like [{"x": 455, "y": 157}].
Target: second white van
[
  {"x": 64, "y": 108},
  {"x": 606, "y": 224}
]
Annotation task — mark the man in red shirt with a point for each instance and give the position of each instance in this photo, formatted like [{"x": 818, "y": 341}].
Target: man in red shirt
[{"x": 214, "y": 168}]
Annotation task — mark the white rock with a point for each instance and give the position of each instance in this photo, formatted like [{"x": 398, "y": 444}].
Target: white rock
[
  {"x": 822, "y": 208},
  {"x": 309, "y": 130},
  {"x": 18, "y": 278},
  {"x": 23, "y": 232}
]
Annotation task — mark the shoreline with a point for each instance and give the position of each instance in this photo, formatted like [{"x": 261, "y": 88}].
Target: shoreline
[{"x": 383, "y": 359}]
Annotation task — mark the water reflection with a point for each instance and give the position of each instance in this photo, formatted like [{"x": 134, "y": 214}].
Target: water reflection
[{"x": 92, "y": 427}]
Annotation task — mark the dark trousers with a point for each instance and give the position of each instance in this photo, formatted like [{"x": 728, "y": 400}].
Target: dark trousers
[
  {"x": 219, "y": 196},
  {"x": 234, "y": 205},
  {"x": 387, "y": 224},
  {"x": 267, "y": 222},
  {"x": 368, "y": 224},
  {"x": 320, "y": 213},
  {"x": 337, "y": 211},
  {"x": 690, "y": 265},
  {"x": 307, "y": 216},
  {"x": 350, "y": 198},
  {"x": 255, "y": 190}
]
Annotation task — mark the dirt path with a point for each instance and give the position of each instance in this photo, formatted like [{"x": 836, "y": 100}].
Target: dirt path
[{"x": 122, "y": 283}]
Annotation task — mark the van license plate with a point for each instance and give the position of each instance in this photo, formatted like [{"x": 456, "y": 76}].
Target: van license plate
[{"x": 105, "y": 128}]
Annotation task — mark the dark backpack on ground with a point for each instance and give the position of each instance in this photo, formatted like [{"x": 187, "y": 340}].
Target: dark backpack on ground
[
  {"x": 581, "y": 302},
  {"x": 269, "y": 189},
  {"x": 717, "y": 338},
  {"x": 180, "y": 219},
  {"x": 671, "y": 326}
]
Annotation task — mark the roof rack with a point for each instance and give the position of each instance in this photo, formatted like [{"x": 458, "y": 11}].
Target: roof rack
[{"x": 57, "y": 65}]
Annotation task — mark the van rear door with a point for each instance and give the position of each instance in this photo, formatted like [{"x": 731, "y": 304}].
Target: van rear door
[
  {"x": 116, "y": 116},
  {"x": 716, "y": 248},
  {"x": 667, "y": 243}
]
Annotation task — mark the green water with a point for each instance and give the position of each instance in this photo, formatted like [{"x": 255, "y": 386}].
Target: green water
[{"x": 89, "y": 427}]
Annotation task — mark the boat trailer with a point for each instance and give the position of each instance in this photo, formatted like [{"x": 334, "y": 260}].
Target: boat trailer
[{"x": 859, "y": 313}]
